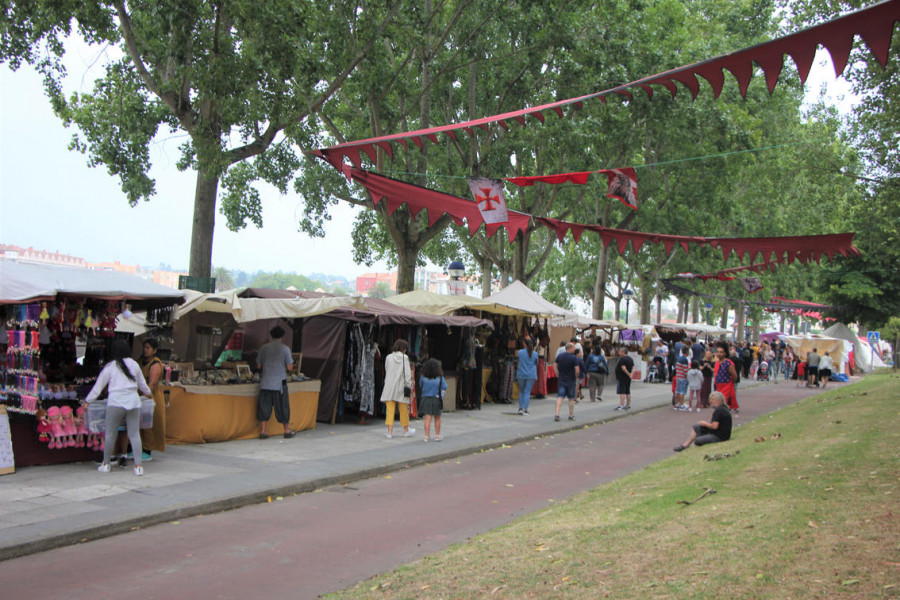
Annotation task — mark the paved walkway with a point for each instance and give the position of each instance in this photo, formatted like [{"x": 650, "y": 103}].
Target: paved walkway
[{"x": 52, "y": 506}]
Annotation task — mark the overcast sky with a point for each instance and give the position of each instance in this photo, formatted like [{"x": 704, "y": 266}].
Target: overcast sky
[{"x": 51, "y": 200}]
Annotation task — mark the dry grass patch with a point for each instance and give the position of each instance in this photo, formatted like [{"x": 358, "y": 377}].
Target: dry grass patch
[{"x": 811, "y": 513}]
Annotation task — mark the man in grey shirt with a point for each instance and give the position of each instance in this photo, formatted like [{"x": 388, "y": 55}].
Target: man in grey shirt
[
  {"x": 812, "y": 368},
  {"x": 275, "y": 361}
]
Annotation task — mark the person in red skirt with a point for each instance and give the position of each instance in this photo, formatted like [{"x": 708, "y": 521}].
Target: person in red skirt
[{"x": 725, "y": 376}]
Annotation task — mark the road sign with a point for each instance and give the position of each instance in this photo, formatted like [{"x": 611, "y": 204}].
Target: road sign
[{"x": 873, "y": 336}]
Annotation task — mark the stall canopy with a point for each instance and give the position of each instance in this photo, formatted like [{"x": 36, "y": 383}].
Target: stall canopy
[
  {"x": 368, "y": 310},
  {"x": 254, "y": 309},
  {"x": 21, "y": 283},
  {"x": 694, "y": 328},
  {"x": 519, "y": 296},
  {"x": 822, "y": 344},
  {"x": 862, "y": 351},
  {"x": 436, "y": 304}
]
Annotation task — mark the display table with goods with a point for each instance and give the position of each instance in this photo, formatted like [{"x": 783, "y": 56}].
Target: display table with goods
[{"x": 216, "y": 413}]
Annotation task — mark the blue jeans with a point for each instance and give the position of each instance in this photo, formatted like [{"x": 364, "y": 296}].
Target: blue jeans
[{"x": 525, "y": 386}]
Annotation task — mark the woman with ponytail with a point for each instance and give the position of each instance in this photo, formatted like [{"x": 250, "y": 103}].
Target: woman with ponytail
[{"x": 124, "y": 378}]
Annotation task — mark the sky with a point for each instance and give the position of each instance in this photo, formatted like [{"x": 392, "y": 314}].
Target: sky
[{"x": 51, "y": 200}]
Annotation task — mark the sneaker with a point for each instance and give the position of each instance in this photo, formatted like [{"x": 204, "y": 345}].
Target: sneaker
[
  {"x": 103, "y": 468},
  {"x": 572, "y": 418},
  {"x": 438, "y": 438},
  {"x": 388, "y": 436},
  {"x": 139, "y": 470},
  {"x": 289, "y": 435},
  {"x": 679, "y": 448},
  {"x": 628, "y": 407},
  {"x": 525, "y": 413},
  {"x": 520, "y": 411},
  {"x": 146, "y": 457},
  {"x": 425, "y": 440},
  {"x": 620, "y": 407},
  {"x": 556, "y": 418},
  {"x": 409, "y": 433},
  {"x": 122, "y": 461}
]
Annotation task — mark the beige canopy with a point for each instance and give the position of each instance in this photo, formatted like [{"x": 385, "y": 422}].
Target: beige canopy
[
  {"x": 436, "y": 304},
  {"x": 253, "y": 309}
]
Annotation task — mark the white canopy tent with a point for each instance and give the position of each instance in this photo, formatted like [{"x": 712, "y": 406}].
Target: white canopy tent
[
  {"x": 803, "y": 344},
  {"x": 519, "y": 296},
  {"x": 437, "y": 304},
  {"x": 21, "y": 283},
  {"x": 253, "y": 309}
]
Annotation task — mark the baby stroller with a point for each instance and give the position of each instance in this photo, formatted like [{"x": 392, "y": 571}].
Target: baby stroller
[
  {"x": 763, "y": 373},
  {"x": 656, "y": 371}
]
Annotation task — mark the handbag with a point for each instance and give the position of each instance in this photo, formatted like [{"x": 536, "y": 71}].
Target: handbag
[{"x": 407, "y": 391}]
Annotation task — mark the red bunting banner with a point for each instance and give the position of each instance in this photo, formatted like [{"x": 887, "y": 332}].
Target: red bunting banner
[
  {"x": 809, "y": 248},
  {"x": 724, "y": 274},
  {"x": 874, "y": 24},
  {"x": 622, "y": 182}
]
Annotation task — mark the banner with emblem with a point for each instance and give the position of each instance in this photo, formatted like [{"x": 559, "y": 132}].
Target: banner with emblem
[{"x": 489, "y": 197}]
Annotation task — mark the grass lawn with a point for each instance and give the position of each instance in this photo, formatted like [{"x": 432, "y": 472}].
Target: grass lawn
[{"x": 806, "y": 505}]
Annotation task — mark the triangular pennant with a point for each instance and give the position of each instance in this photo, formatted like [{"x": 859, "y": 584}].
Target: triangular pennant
[
  {"x": 622, "y": 243},
  {"x": 712, "y": 73},
  {"x": 771, "y": 64},
  {"x": 742, "y": 70}
]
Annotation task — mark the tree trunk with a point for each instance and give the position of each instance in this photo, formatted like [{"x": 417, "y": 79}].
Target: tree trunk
[
  {"x": 782, "y": 317},
  {"x": 504, "y": 277},
  {"x": 486, "y": 266},
  {"x": 600, "y": 285},
  {"x": 406, "y": 268},
  {"x": 205, "y": 193},
  {"x": 520, "y": 257},
  {"x": 658, "y": 306},
  {"x": 645, "y": 308},
  {"x": 695, "y": 310},
  {"x": 739, "y": 318},
  {"x": 723, "y": 322}
]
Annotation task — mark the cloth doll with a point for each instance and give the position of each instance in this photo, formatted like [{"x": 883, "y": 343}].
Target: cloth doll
[
  {"x": 43, "y": 426},
  {"x": 81, "y": 429},
  {"x": 68, "y": 426},
  {"x": 56, "y": 430}
]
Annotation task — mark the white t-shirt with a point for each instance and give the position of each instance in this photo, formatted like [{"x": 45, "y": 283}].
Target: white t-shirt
[
  {"x": 122, "y": 391},
  {"x": 826, "y": 362}
]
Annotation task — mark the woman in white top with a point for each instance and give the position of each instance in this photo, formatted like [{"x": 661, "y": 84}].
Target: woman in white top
[{"x": 124, "y": 378}]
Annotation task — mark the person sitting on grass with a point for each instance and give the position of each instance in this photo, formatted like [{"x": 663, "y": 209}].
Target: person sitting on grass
[{"x": 717, "y": 429}]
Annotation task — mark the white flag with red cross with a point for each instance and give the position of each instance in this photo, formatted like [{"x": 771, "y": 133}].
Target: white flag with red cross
[{"x": 489, "y": 197}]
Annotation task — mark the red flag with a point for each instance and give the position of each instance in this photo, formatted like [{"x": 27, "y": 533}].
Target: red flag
[
  {"x": 623, "y": 185},
  {"x": 489, "y": 197}
]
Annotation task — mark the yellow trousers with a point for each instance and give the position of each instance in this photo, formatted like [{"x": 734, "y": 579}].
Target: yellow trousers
[{"x": 391, "y": 406}]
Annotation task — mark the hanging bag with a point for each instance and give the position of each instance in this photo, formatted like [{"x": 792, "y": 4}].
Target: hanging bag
[{"x": 407, "y": 391}]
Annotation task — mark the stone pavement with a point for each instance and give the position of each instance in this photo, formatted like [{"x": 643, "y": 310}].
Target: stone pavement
[{"x": 47, "y": 507}]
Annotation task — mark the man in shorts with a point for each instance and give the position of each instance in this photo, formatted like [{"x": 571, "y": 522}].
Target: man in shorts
[
  {"x": 567, "y": 374},
  {"x": 812, "y": 368},
  {"x": 275, "y": 361},
  {"x": 825, "y": 365},
  {"x": 624, "y": 369},
  {"x": 717, "y": 429}
]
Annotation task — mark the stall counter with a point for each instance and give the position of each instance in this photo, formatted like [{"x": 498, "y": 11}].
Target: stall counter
[{"x": 216, "y": 413}]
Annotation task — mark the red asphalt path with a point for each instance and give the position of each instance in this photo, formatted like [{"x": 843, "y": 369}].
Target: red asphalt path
[{"x": 307, "y": 545}]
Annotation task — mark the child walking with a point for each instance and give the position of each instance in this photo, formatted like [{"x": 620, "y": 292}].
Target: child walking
[
  {"x": 433, "y": 385},
  {"x": 695, "y": 382}
]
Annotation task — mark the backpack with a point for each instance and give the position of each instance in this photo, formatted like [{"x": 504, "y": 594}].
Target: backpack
[{"x": 596, "y": 364}]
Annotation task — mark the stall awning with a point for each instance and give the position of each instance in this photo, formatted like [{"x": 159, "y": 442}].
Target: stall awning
[
  {"x": 33, "y": 282},
  {"x": 520, "y": 296},
  {"x": 436, "y": 304},
  {"x": 254, "y": 309}
]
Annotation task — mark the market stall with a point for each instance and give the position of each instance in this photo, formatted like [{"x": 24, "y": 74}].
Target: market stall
[
  {"x": 56, "y": 328},
  {"x": 210, "y": 400}
]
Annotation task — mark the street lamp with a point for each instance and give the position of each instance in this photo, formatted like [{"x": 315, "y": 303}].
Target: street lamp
[
  {"x": 627, "y": 295},
  {"x": 456, "y": 270},
  {"x": 708, "y": 307}
]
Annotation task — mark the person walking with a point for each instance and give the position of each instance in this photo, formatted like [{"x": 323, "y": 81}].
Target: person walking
[
  {"x": 123, "y": 378},
  {"x": 812, "y": 368},
  {"x": 624, "y": 369},
  {"x": 433, "y": 387},
  {"x": 726, "y": 376},
  {"x": 597, "y": 370},
  {"x": 397, "y": 388},
  {"x": 695, "y": 383},
  {"x": 567, "y": 376},
  {"x": 682, "y": 366},
  {"x": 275, "y": 362},
  {"x": 582, "y": 375},
  {"x": 825, "y": 365},
  {"x": 526, "y": 374},
  {"x": 707, "y": 367}
]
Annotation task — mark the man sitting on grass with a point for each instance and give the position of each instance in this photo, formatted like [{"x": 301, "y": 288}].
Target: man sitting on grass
[{"x": 718, "y": 429}]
